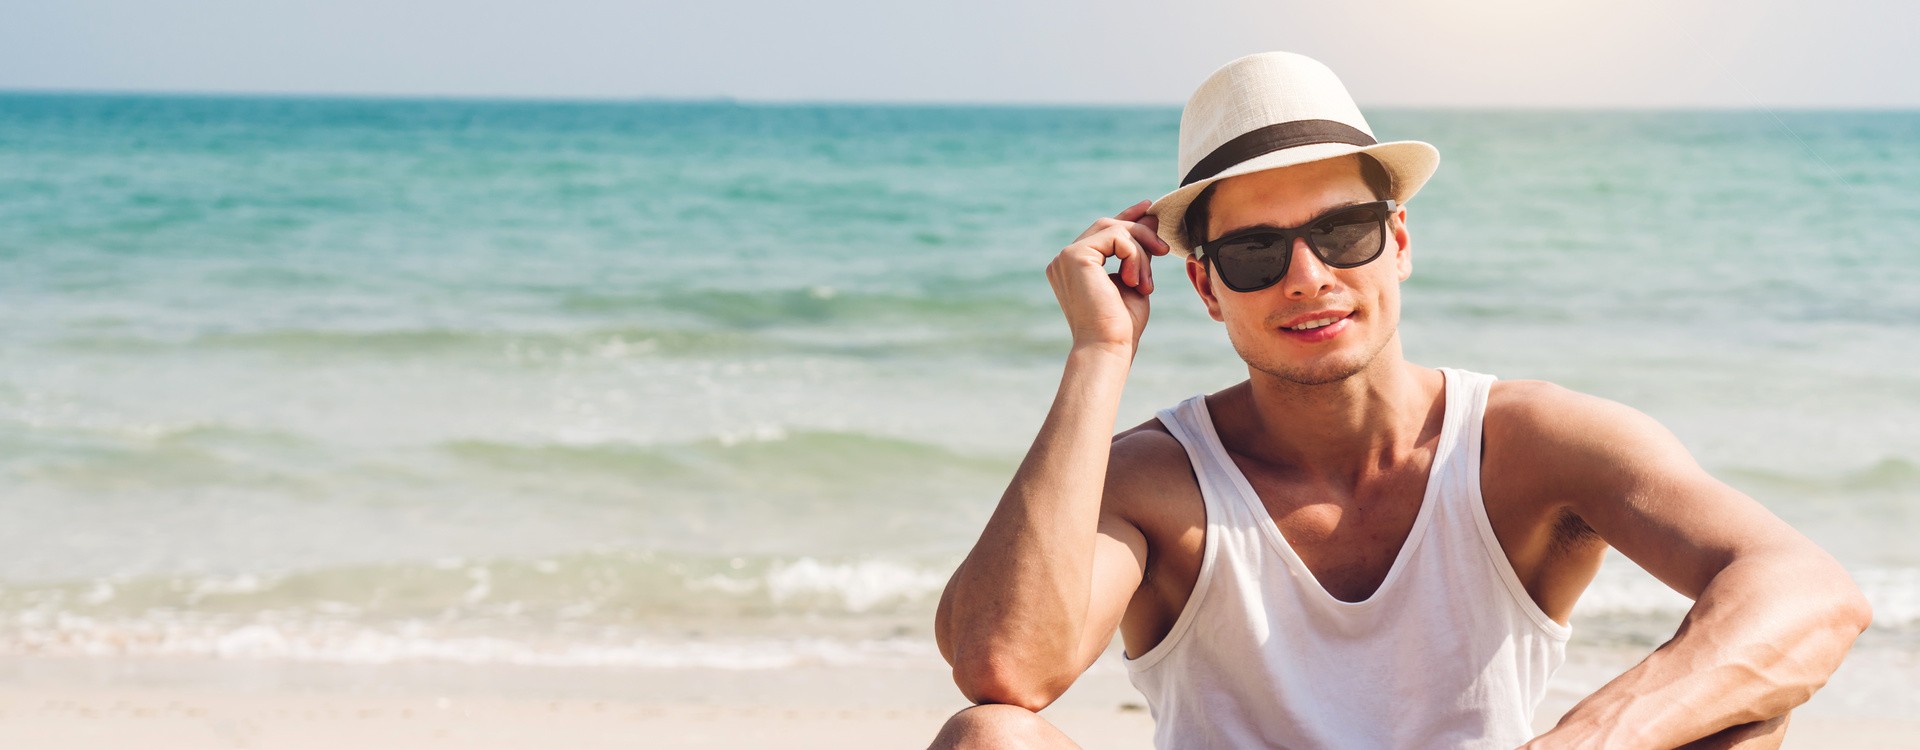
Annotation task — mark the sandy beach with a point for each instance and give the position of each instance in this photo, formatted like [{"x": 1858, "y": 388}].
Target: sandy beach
[{"x": 83, "y": 703}]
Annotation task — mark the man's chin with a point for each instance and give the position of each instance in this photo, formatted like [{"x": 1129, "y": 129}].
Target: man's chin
[
  {"x": 1322, "y": 371},
  {"x": 1316, "y": 376},
  {"x": 1325, "y": 366}
]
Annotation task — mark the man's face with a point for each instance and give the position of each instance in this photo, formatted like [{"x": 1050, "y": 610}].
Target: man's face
[{"x": 1365, "y": 300}]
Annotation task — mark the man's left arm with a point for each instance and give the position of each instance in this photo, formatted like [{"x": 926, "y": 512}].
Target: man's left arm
[{"x": 1773, "y": 614}]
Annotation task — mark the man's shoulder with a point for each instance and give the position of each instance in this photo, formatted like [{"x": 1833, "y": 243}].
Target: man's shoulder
[
  {"x": 1147, "y": 467},
  {"x": 1147, "y": 448},
  {"x": 1546, "y": 427},
  {"x": 1543, "y": 409},
  {"x": 1533, "y": 399}
]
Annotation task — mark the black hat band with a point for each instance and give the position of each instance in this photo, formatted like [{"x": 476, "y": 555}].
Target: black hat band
[{"x": 1266, "y": 140}]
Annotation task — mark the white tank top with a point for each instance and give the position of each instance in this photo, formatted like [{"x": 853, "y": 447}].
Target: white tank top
[{"x": 1449, "y": 652}]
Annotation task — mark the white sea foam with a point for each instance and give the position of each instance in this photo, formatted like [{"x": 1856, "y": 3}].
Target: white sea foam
[
  {"x": 860, "y": 585},
  {"x": 101, "y": 593},
  {"x": 1624, "y": 591},
  {"x": 856, "y": 586},
  {"x": 761, "y": 433},
  {"x": 482, "y": 585},
  {"x": 576, "y": 634},
  {"x": 346, "y": 643},
  {"x": 245, "y": 583},
  {"x": 1894, "y": 594}
]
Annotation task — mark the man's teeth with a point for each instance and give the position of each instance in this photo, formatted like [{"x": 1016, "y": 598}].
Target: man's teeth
[{"x": 1312, "y": 324}]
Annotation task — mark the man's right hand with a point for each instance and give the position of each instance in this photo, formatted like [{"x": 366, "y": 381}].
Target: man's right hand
[{"x": 1108, "y": 310}]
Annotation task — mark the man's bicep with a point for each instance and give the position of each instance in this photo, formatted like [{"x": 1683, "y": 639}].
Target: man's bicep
[
  {"x": 1635, "y": 484},
  {"x": 1119, "y": 566}
]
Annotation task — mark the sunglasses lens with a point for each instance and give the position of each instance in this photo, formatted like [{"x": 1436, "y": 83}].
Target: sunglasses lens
[
  {"x": 1252, "y": 262},
  {"x": 1344, "y": 238},
  {"x": 1350, "y": 238}
]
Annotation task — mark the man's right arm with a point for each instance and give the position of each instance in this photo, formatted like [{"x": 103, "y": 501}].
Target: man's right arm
[{"x": 1039, "y": 596}]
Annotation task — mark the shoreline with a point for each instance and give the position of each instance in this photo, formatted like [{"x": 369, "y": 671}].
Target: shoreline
[{"x": 102, "y": 702}]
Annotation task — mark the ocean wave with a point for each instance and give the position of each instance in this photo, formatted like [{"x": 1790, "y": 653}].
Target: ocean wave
[
  {"x": 1892, "y": 474},
  {"x": 647, "y": 587},
  {"x": 1623, "y": 593},
  {"x": 763, "y": 454},
  {"x": 855, "y": 587},
  {"x": 815, "y": 305},
  {"x": 620, "y": 588},
  {"x": 625, "y": 609},
  {"x": 110, "y": 453},
  {"x": 618, "y": 343},
  {"x": 901, "y": 338},
  {"x": 422, "y": 641}
]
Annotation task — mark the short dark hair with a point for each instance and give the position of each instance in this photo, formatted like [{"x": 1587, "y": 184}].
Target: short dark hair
[{"x": 1194, "y": 223}]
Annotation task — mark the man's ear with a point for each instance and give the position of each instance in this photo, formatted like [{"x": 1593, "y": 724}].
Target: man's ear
[
  {"x": 1403, "y": 255},
  {"x": 1203, "y": 283}
]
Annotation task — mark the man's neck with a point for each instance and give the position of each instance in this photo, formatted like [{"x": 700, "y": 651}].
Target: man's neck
[{"x": 1343, "y": 430}]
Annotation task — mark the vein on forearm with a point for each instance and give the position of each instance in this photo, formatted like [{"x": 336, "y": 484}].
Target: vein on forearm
[{"x": 1766, "y": 632}]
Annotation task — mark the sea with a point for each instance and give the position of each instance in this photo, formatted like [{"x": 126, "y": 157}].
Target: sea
[{"x": 732, "y": 385}]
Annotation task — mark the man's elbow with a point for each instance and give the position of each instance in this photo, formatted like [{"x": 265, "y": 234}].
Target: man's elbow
[
  {"x": 1829, "y": 600},
  {"x": 1844, "y": 607},
  {"x": 992, "y": 680},
  {"x": 1854, "y": 614}
]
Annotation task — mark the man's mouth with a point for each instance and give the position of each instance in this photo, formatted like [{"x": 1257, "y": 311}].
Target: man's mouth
[
  {"x": 1318, "y": 322},
  {"x": 1318, "y": 326}
]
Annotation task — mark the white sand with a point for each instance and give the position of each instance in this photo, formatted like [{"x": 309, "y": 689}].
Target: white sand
[{"x": 164, "y": 704}]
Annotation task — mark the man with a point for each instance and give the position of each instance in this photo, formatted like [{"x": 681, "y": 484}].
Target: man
[{"x": 1347, "y": 549}]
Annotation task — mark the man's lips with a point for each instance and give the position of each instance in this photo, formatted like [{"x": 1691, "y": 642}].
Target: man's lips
[
  {"x": 1318, "y": 326},
  {"x": 1316, "y": 316}
]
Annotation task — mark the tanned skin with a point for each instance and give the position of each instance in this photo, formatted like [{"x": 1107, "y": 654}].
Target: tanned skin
[{"x": 1336, "y": 433}]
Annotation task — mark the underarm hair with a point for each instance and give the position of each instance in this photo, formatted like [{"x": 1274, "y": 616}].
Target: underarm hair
[{"x": 1571, "y": 534}]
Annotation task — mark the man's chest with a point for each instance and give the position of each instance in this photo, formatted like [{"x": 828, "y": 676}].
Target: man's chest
[{"x": 1349, "y": 537}]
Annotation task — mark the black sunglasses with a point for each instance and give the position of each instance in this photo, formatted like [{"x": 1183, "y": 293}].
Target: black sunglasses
[{"x": 1257, "y": 258}]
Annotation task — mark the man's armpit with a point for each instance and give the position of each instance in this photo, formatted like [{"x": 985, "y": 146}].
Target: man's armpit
[{"x": 1571, "y": 535}]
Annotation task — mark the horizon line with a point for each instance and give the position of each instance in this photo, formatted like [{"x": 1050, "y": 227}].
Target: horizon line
[{"x": 877, "y": 102}]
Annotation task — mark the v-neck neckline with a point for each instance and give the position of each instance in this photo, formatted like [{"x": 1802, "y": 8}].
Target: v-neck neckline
[{"x": 1429, "y": 497}]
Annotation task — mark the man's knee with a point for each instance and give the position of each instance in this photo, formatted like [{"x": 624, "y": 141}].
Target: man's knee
[{"x": 998, "y": 726}]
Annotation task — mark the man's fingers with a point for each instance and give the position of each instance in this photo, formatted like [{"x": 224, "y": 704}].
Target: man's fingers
[
  {"x": 1135, "y": 211},
  {"x": 1149, "y": 238},
  {"x": 1132, "y": 242},
  {"x": 1136, "y": 268},
  {"x": 1128, "y": 251},
  {"x": 1135, "y": 247},
  {"x": 1152, "y": 221}
]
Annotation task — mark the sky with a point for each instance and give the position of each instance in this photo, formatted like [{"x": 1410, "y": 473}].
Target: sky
[{"x": 1421, "y": 53}]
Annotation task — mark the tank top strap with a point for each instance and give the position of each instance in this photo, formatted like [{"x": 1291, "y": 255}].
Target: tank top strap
[
  {"x": 1458, "y": 450},
  {"x": 1190, "y": 424}
]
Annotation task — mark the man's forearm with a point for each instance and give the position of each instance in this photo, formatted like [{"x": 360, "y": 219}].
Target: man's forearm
[
  {"x": 1763, "y": 636},
  {"x": 1015, "y": 609}
]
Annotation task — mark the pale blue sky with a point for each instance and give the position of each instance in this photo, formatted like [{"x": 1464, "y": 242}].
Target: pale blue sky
[{"x": 1715, "y": 53}]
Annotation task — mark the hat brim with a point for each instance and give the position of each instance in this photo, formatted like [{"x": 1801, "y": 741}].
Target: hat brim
[{"x": 1408, "y": 163}]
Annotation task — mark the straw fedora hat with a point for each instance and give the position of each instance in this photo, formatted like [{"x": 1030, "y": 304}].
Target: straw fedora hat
[{"x": 1271, "y": 110}]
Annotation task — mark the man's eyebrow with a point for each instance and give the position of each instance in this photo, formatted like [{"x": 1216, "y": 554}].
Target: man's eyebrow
[{"x": 1310, "y": 220}]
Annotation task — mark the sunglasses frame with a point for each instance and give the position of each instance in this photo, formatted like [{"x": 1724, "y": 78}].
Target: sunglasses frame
[{"x": 1302, "y": 232}]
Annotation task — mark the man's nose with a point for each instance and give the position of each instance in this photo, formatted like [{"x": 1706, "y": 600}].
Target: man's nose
[{"x": 1306, "y": 275}]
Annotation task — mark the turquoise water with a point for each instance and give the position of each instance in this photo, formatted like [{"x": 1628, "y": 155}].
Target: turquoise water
[{"x": 704, "y": 383}]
